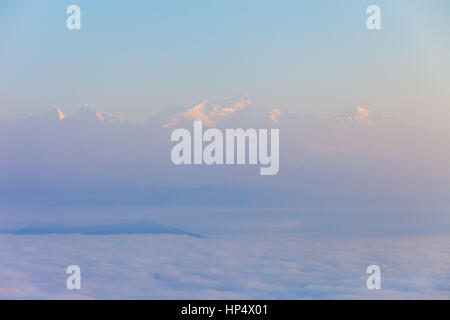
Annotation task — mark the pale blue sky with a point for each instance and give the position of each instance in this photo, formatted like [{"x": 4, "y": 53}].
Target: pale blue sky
[{"x": 310, "y": 56}]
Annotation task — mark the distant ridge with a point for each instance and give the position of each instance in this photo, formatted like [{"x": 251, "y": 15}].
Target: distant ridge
[{"x": 140, "y": 227}]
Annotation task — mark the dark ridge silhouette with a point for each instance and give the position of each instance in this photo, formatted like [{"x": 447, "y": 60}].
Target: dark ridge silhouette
[{"x": 140, "y": 227}]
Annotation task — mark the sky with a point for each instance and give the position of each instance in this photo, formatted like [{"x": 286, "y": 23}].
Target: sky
[{"x": 314, "y": 57}]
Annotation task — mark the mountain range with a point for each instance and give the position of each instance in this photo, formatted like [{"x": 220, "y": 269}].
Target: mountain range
[
  {"x": 212, "y": 114},
  {"x": 93, "y": 155}
]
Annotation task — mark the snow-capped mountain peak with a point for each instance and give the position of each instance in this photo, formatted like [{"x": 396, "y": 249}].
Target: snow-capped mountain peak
[
  {"x": 361, "y": 115},
  {"x": 89, "y": 113},
  {"x": 61, "y": 115},
  {"x": 274, "y": 114},
  {"x": 210, "y": 113}
]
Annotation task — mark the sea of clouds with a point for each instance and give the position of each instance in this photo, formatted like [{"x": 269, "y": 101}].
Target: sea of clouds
[{"x": 264, "y": 266}]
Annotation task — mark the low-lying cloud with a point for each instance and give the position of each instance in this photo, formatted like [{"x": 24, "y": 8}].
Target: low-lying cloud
[{"x": 254, "y": 267}]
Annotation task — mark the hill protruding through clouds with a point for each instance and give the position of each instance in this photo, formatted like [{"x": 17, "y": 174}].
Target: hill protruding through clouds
[
  {"x": 92, "y": 156},
  {"x": 140, "y": 227}
]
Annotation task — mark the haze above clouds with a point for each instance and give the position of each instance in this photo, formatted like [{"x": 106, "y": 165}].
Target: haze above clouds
[{"x": 93, "y": 157}]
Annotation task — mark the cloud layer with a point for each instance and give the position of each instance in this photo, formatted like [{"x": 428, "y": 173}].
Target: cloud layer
[{"x": 255, "y": 267}]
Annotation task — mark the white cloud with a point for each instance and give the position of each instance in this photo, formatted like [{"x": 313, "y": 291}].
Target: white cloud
[{"x": 259, "y": 267}]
